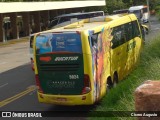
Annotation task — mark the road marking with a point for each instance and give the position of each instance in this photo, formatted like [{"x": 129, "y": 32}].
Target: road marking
[
  {"x": 3, "y": 85},
  {"x": 17, "y": 96},
  {"x": 32, "y": 93}
]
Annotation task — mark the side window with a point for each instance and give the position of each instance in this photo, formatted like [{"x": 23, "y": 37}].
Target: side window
[
  {"x": 53, "y": 23},
  {"x": 115, "y": 39},
  {"x": 82, "y": 16},
  {"x": 123, "y": 35},
  {"x": 64, "y": 19},
  {"x": 94, "y": 43},
  {"x": 91, "y": 15},
  {"x": 128, "y": 31},
  {"x": 136, "y": 31},
  {"x": 145, "y": 10},
  {"x": 119, "y": 36},
  {"x": 94, "y": 38}
]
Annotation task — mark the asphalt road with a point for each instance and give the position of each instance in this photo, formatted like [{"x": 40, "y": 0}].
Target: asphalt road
[
  {"x": 17, "y": 85},
  {"x": 155, "y": 28},
  {"x": 17, "y": 82}
]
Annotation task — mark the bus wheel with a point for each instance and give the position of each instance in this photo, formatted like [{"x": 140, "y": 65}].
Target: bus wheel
[
  {"x": 115, "y": 80},
  {"x": 109, "y": 84}
]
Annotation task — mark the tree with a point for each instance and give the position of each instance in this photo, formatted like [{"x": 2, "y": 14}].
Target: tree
[
  {"x": 128, "y": 2},
  {"x": 112, "y": 5}
]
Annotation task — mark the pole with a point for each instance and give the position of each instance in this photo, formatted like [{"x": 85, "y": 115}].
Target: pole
[{"x": 148, "y": 15}]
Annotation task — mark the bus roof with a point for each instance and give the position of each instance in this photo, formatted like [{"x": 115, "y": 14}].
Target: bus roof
[
  {"x": 91, "y": 23},
  {"x": 136, "y": 7},
  {"x": 78, "y": 13}
]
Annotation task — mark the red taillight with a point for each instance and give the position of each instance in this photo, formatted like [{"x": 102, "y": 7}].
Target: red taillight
[
  {"x": 78, "y": 32},
  {"x": 87, "y": 86},
  {"x": 38, "y": 84},
  {"x": 45, "y": 59}
]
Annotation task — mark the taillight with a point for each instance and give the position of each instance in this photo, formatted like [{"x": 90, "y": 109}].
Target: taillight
[
  {"x": 78, "y": 32},
  {"x": 38, "y": 84},
  {"x": 45, "y": 59},
  {"x": 87, "y": 86}
]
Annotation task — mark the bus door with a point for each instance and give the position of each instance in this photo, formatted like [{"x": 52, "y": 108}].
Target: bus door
[{"x": 60, "y": 64}]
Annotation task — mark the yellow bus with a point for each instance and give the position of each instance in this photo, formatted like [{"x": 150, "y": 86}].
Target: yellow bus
[{"x": 78, "y": 63}]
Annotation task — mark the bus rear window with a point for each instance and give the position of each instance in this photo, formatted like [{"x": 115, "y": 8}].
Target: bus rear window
[{"x": 58, "y": 42}]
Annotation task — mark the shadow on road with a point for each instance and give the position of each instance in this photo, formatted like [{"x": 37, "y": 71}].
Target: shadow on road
[
  {"x": 83, "y": 109},
  {"x": 70, "y": 112}
]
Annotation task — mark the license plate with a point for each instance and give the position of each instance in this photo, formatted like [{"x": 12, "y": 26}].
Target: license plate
[{"x": 62, "y": 99}]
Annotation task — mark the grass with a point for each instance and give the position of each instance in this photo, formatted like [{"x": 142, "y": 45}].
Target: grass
[{"x": 121, "y": 98}]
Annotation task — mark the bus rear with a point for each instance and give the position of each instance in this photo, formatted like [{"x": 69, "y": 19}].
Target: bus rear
[{"x": 60, "y": 69}]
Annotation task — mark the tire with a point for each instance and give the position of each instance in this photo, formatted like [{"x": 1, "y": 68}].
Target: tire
[
  {"x": 115, "y": 80},
  {"x": 109, "y": 84}
]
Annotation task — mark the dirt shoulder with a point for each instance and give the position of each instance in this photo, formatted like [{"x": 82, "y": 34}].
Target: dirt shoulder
[{"x": 10, "y": 42}]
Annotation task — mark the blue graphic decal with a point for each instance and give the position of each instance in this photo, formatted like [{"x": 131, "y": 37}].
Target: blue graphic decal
[
  {"x": 63, "y": 42},
  {"x": 43, "y": 43},
  {"x": 69, "y": 42}
]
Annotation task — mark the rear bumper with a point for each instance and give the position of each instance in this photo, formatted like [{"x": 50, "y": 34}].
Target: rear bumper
[{"x": 85, "y": 99}]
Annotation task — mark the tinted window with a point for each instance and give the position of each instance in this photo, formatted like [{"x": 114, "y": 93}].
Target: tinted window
[
  {"x": 53, "y": 23},
  {"x": 136, "y": 31},
  {"x": 128, "y": 31},
  {"x": 137, "y": 13},
  {"x": 145, "y": 10},
  {"x": 83, "y": 16},
  {"x": 96, "y": 14},
  {"x": 64, "y": 19},
  {"x": 99, "y": 14},
  {"x": 68, "y": 42},
  {"x": 118, "y": 36},
  {"x": 94, "y": 39},
  {"x": 120, "y": 11}
]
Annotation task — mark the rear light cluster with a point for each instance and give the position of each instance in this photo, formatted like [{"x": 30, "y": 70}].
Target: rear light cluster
[
  {"x": 87, "y": 85},
  {"x": 38, "y": 84},
  {"x": 45, "y": 59},
  {"x": 78, "y": 32}
]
